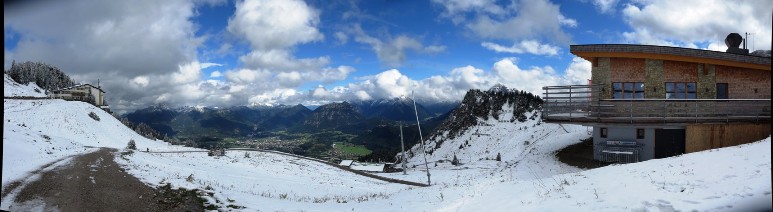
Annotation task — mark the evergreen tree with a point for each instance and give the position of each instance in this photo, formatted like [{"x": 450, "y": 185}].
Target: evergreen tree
[
  {"x": 499, "y": 157},
  {"x": 455, "y": 161},
  {"x": 44, "y": 75}
]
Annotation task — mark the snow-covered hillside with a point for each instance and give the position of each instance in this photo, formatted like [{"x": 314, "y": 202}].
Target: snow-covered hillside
[
  {"x": 12, "y": 88},
  {"x": 37, "y": 133}
]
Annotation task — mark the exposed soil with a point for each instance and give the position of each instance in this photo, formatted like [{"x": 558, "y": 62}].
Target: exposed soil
[
  {"x": 95, "y": 182},
  {"x": 580, "y": 155}
]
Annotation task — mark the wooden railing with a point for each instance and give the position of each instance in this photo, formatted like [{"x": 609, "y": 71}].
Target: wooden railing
[{"x": 582, "y": 104}]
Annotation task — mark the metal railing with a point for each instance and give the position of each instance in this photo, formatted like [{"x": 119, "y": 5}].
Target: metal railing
[{"x": 582, "y": 103}]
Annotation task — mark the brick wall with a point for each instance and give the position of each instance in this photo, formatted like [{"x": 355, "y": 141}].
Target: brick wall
[
  {"x": 627, "y": 70},
  {"x": 674, "y": 71},
  {"x": 743, "y": 82}
]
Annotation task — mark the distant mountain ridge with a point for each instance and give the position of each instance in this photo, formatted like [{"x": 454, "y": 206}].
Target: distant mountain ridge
[{"x": 252, "y": 120}]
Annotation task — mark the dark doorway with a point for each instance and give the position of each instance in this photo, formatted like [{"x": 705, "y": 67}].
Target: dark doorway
[
  {"x": 722, "y": 91},
  {"x": 669, "y": 142}
]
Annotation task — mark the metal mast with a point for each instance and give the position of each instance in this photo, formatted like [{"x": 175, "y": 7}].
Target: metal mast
[
  {"x": 402, "y": 145},
  {"x": 423, "y": 150}
]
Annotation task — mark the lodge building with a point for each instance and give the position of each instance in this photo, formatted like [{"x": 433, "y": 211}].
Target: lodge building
[{"x": 647, "y": 102}]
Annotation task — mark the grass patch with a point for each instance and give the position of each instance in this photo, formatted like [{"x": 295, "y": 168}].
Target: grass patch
[{"x": 352, "y": 149}]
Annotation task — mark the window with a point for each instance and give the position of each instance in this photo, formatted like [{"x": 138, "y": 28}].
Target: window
[
  {"x": 681, "y": 90},
  {"x": 628, "y": 90},
  {"x": 639, "y": 133},
  {"x": 721, "y": 90},
  {"x": 603, "y": 132}
]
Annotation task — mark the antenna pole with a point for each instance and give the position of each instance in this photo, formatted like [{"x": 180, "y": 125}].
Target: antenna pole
[
  {"x": 402, "y": 145},
  {"x": 745, "y": 40},
  {"x": 423, "y": 150}
]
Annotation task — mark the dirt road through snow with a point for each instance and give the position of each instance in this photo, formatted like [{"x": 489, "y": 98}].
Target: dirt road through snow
[{"x": 95, "y": 182}]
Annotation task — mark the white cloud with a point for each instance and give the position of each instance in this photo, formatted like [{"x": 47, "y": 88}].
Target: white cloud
[
  {"x": 605, "y": 6},
  {"x": 275, "y": 24},
  {"x": 566, "y": 21},
  {"x": 578, "y": 72},
  {"x": 141, "y": 81},
  {"x": 247, "y": 75},
  {"x": 524, "y": 20},
  {"x": 215, "y": 74},
  {"x": 207, "y": 65},
  {"x": 187, "y": 73},
  {"x": 456, "y": 9},
  {"x": 663, "y": 22},
  {"x": 342, "y": 37},
  {"x": 392, "y": 51},
  {"x": 525, "y": 46},
  {"x": 107, "y": 36},
  {"x": 281, "y": 60}
]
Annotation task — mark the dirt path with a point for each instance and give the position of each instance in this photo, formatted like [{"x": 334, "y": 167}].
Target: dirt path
[{"x": 95, "y": 182}]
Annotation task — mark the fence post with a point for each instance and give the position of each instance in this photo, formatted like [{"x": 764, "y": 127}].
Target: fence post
[{"x": 571, "y": 106}]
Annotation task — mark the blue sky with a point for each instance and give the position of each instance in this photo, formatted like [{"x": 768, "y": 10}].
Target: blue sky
[{"x": 225, "y": 53}]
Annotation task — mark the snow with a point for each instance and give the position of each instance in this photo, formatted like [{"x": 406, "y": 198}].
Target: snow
[
  {"x": 529, "y": 177},
  {"x": 346, "y": 163},
  {"x": 12, "y": 88},
  {"x": 367, "y": 167}
]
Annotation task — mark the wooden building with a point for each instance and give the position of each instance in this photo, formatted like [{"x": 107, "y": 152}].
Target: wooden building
[{"x": 648, "y": 102}]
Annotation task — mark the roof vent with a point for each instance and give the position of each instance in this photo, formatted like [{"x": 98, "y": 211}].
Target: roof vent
[{"x": 733, "y": 42}]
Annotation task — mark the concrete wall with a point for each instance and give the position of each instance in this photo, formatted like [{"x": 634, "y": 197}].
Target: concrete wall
[
  {"x": 699, "y": 137},
  {"x": 626, "y": 133}
]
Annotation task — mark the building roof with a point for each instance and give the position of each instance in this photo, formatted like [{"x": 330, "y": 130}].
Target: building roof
[
  {"x": 671, "y": 53},
  {"x": 378, "y": 167},
  {"x": 78, "y": 85}
]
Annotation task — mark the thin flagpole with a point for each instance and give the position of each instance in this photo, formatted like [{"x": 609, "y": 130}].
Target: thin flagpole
[{"x": 423, "y": 150}]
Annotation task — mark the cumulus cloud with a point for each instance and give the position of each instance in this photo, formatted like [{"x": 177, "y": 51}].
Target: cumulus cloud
[
  {"x": 392, "y": 51},
  {"x": 663, "y": 22},
  {"x": 86, "y": 36},
  {"x": 530, "y": 19},
  {"x": 448, "y": 87},
  {"x": 521, "y": 22},
  {"x": 525, "y": 46},
  {"x": 139, "y": 50},
  {"x": 275, "y": 24}
]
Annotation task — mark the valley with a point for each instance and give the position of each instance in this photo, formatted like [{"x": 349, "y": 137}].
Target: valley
[{"x": 371, "y": 126}]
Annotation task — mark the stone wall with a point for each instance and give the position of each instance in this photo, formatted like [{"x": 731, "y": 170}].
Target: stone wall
[
  {"x": 600, "y": 74},
  {"x": 707, "y": 84},
  {"x": 654, "y": 88}
]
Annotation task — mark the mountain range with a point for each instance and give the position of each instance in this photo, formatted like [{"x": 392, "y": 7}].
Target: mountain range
[{"x": 253, "y": 121}]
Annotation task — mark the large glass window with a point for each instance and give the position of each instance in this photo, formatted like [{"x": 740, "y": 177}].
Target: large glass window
[
  {"x": 681, "y": 90},
  {"x": 628, "y": 90}
]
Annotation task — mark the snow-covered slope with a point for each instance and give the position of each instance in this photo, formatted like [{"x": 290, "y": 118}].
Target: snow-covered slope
[
  {"x": 38, "y": 132},
  {"x": 529, "y": 178},
  {"x": 12, "y": 88}
]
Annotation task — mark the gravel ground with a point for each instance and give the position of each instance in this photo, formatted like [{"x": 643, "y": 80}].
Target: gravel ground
[{"x": 95, "y": 182}]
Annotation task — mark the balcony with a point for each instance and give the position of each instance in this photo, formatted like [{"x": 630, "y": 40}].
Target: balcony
[{"x": 582, "y": 104}]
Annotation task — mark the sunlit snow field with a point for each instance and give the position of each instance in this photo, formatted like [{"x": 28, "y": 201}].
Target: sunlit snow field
[{"x": 529, "y": 177}]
